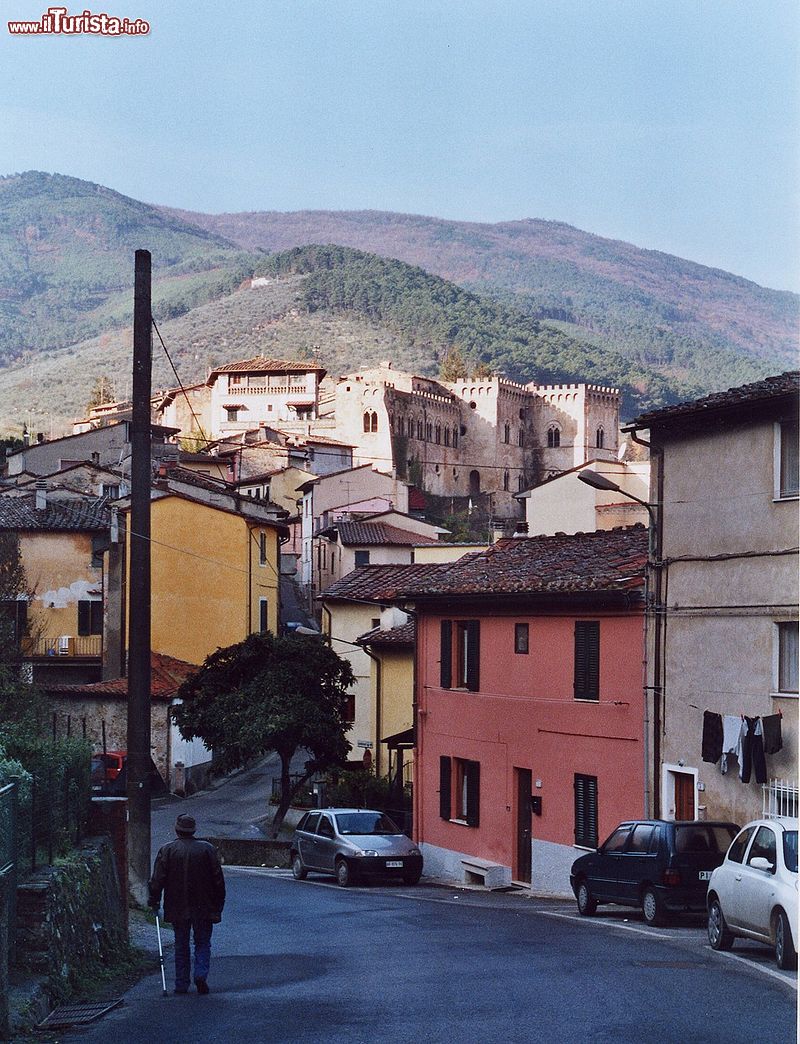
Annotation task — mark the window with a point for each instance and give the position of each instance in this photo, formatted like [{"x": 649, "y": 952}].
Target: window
[
  {"x": 262, "y": 548},
  {"x": 446, "y": 434},
  {"x": 419, "y": 430},
  {"x": 587, "y": 660},
  {"x": 459, "y": 790},
  {"x": 617, "y": 840},
  {"x": 736, "y": 853},
  {"x": 99, "y": 545},
  {"x": 460, "y": 655},
  {"x": 366, "y": 422},
  {"x": 110, "y": 490},
  {"x": 787, "y": 462},
  {"x": 438, "y": 436},
  {"x": 263, "y": 615},
  {"x": 455, "y": 438},
  {"x": 553, "y": 437},
  {"x": 349, "y": 711},
  {"x": 642, "y": 835},
  {"x": 507, "y": 434},
  {"x": 520, "y": 483},
  {"x": 788, "y": 657},
  {"x": 521, "y": 638},
  {"x": 374, "y": 422},
  {"x": 600, "y": 439},
  {"x": 362, "y": 558},
  {"x": 14, "y": 616},
  {"x": 90, "y": 616},
  {"x": 429, "y": 431},
  {"x": 325, "y": 828},
  {"x": 506, "y": 480},
  {"x": 232, "y": 413},
  {"x": 764, "y": 845},
  {"x": 585, "y": 811},
  {"x": 521, "y": 437},
  {"x": 310, "y": 824}
]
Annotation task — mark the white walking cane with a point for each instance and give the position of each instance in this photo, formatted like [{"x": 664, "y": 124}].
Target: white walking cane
[{"x": 161, "y": 957}]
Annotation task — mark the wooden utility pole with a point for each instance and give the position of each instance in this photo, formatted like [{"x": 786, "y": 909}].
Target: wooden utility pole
[{"x": 139, "y": 591}]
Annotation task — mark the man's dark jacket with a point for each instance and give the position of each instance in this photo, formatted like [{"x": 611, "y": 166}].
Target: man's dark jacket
[{"x": 188, "y": 872}]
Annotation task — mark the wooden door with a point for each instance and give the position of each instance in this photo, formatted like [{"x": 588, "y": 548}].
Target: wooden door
[
  {"x": 684, "y": 795},
  {"x": 523, "y": 839}
]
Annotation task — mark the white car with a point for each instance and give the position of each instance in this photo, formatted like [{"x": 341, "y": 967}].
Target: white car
[{"x": 753, "y": 894}]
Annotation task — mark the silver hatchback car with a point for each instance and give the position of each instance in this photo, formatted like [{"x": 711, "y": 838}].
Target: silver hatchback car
[{"x": 351, "y": 843}]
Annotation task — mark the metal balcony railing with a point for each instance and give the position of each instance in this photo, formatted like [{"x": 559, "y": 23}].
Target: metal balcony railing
[{"x": 779, "y": 799}]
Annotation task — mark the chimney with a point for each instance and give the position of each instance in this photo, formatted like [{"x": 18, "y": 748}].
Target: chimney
[
  {"x": 39, "y": 437},
  {"x": 41, "y": 496}
]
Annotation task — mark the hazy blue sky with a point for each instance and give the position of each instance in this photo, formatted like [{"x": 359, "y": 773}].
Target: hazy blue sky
[{"x": 672, "y": 124}]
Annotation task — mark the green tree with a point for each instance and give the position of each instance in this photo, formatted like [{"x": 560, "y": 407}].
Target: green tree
[
  {"x": 454, "y": 366},
  {"x": 270, "y": 694},
  {"x": 102, "y": 391}
]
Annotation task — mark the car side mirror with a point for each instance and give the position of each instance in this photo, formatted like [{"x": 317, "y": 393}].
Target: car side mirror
[{"x": 761, "y": 863}]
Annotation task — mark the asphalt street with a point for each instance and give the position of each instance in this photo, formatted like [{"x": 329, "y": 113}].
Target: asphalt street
[{"x": 312, "y": 962}]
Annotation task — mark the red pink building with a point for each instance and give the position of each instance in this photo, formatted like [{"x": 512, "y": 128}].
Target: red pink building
[{"x": 530, "y": 727}]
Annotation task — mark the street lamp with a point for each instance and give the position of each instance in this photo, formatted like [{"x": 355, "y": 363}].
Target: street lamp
[
  {"x": 652, "y": 600},
  {"x": 598, "y": 481}
]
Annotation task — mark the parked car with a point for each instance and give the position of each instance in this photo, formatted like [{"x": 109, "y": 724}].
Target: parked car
[
  {"x": 352, "y": 843},
  {"x": 659, "y": 865},
  {"x": 109, "y": 775},
  {"x": 753, "y": 893}
]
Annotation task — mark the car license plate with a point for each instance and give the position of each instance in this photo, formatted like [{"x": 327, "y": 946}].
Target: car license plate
[
  {"x": 705, "y": 875},
  {"x": 394, "y": 864}
]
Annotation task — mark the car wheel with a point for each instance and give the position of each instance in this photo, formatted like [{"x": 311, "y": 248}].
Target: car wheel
[
  {"x": 651, "y": 908},
  {"x": 785, "y": 953},
  {"x": 299, "y": 872},
  {"x": 587, "y": 904},
  {"x": 411, "y": 877},
  {"x": 344, "y": 875},
  {"x": 719, "y": 935}
]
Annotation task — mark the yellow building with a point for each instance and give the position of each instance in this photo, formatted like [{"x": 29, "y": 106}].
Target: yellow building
[
  {"x": 214, "y": 569},
  {"x": 59, "y": 617}
]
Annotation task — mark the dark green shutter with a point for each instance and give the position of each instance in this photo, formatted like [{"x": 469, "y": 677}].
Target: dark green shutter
[
  {"x": 444, "y": 787},
  {"x": 446, "y": 670},
  {"x": 586, "y": 811},
  {"x": 473, "y": 770},
  {"x": 84, "y": 616},
  {"x": 587, "y": 660},
  {"x": 473, "y": 655}
]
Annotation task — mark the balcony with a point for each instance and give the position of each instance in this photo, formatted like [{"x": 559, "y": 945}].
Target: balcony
[{"x": 64, "y": 647}]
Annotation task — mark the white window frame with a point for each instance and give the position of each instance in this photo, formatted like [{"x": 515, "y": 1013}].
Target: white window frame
[
  {"x": 777, "y": 451},
  {"x": 777, "y": 693},
  {"x": 668, "y": 773}
]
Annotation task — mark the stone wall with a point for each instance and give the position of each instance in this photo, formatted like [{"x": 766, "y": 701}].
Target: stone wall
[
  {"x": 70, "y": 918},
  {"x": 251, "y": 851}
]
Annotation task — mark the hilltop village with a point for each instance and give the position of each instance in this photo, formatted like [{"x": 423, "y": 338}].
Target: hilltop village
[{"x": 496, "y": 561}]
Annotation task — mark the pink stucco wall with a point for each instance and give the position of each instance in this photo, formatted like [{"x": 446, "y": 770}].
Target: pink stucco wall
[{"x": 525, "y": 716}]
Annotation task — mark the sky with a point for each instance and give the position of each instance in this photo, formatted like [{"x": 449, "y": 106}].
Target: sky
[{"x": 671, "y": 124}]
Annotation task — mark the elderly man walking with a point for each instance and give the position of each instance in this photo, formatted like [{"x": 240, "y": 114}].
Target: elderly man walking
[{"x": 189, "y": 873}]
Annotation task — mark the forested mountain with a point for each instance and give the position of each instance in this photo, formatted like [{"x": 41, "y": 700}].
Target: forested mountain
[{"x": 537, "y": 300}]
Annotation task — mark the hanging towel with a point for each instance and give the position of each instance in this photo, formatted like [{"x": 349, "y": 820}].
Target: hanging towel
[
  {"x": 712, "y": 736},
  {"x": 752, "y": 752},
  {"x": 732, "y": 726},
  {"x": 772, "y": 733}
]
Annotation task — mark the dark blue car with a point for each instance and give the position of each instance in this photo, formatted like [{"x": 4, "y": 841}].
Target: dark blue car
[{"x": 659, "y": 865}]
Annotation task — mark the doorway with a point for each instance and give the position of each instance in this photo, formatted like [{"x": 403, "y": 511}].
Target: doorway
[
  {"x": 522, "y": 847},
  {"x": 684, "y": 795}
]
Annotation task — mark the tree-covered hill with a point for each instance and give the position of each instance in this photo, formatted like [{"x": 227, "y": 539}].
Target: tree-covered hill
[
  {"x": 644, "y": 303},
  {"x": 349, "y": 310}
]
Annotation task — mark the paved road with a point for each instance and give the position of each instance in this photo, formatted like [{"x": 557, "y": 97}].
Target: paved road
[{"x": 310, "y": 962}]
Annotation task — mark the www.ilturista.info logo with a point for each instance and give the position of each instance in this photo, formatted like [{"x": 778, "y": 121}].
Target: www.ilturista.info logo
[{"x": 57, "y": 22}]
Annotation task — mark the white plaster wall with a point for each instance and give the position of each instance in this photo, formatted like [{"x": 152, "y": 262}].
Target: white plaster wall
[{"x": 550, "y": 866}]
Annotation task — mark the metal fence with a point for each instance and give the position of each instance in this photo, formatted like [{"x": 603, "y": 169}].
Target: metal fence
[
  {"x": 779, "y": 799},
  {"x": 53, "y": 812}
]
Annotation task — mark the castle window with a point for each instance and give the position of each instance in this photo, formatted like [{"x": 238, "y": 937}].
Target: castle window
[
  {"x": 505, "y": 480},
  {"x": 370, "y": 421},
  {"x": 429, "y": 431},
  {"x": 601, "y": 438},
  {"x": 521, "y": 437},
  {"x": 553, "y": 436},
  {"x": 447, "y": 436},
  {"x": 507, "y": 434},
  {"x": 419, "y": 430},
  {"x": 520, "y": 483},
  {"x": 438, "y": 437},
  {"x": 455, "y": 437}
]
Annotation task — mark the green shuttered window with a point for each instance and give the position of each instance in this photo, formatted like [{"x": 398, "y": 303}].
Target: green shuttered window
[{"x": 587, "y": 660}]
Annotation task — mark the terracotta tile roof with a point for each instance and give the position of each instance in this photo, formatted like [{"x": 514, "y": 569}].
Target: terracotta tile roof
[
  {"x": 376, "y": 533},
  {"x": 260, "y": 362},
  {"x": 610, "y": 560},
  {"x": 396, "y": 637},
  {"x": 167, "y": 675},
  {"x": 770, "y": 388},
  {"x": 78, "y": 515},
  {"x": 378, "y": 583}
]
